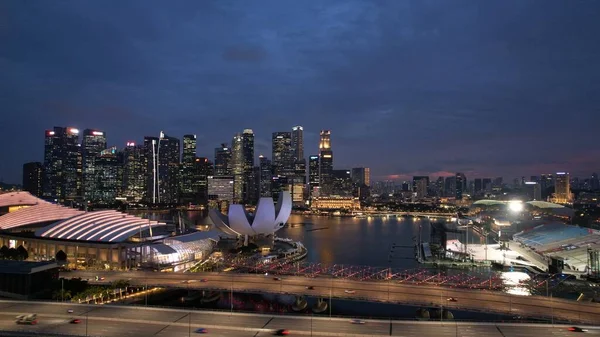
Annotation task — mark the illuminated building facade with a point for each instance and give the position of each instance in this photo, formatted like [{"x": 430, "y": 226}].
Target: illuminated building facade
[
  {"x": 249, "y": 187},
  {"x": 265, "y": 176},
  {"x": 223, "y": 161},
  {"x": 32, "y": 178},
  {"x": 282, "y": 156},
  {"x": 335, "y": 203},
  {"x": 461, "y": 185},
  {"x": 220, "y": 188},
  {"x": 562, "y": 188},
  {"x": 420, "y": 184},
  {"x": 341, "y": 183},
  {"x": 237, "y": 164},
  {"x": 92, "y": 144},
  {"x": 533, "y": 190},
  {"x": 361, "y": 176},
  {"x": 62, "y": 164},
  {"x": 134, "y": 172},
  {"x": 108, "y": 175},
  {"x": 188, "y": 187},
  {"x": 297, "y": 143},
  {"x": 313, "y": 175},
  {"x": 203, "y": 169},
  {"x": 325, "y": 163},
  {"x": 163, "y": 168}
]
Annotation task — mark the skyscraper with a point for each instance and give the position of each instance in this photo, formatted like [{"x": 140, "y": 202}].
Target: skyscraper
[
  {"x": 237, "y": 164},
  {"x": 297, "y": 143},
  {"x": 282, "y": 156},
  {"x": 361, "y": 176},
  {"x": 326, "y": 162},
  {"x": 189, "y": 181},
  {"x": 223, "y": 160},
  {"x": 249, "y": 187},
  {"x": 163, "y": 168},
  {"x": 266, "y": 176},
  {"x": 108, "y": 180},
  {"x": 420, "y": 185},
  {"x": 92, "y": 144},
  {"x": 32, "y": 178},
  {"x": 203, "y": 169},
  {"x": 562, "y": 188},
  {"x": 313, "y": 174},
  {"x": 134, "y": 172},
  {"x": 62, "y": 164},
  {"x": 461, "y": 185}
]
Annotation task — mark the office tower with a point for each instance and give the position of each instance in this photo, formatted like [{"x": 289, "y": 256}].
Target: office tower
[
  {"x": 265, "y": 176},
  {"x": 62, "y": 164},
  {"x": 533, "y": 190},
  {"x": 420, "y": 185},
  {"x": 279, "y": 184},
  {"x": 108, "y": 180},
  {"x": 282, "y": 156},
  {"x": 487, "y": 185},
  {"x": 562, "y": 188},
  {"x": 237, "y": 166},
  {"x": 594, "y": 182},
  {"x": 438, "y": 187},
  {"x": 477, "y": 186},
  {"x": 189, "y": 181},
  {"x": 313, "y": 175},
  {"x": 92, "y": 144},
  {"x": 163, "y": 168},
  {"x": 360, "y": 176},
  {"x": 134, "y": 172},
  {"x": 223, "y": 161},
  {"x": 297, "y": 143},
  {"x": 220, "y": 188},
  {"x": 32, "y": 178},
  {"x": 325, "y": 162},
  {"x": 203, "y": 169},
  {"x": 461, "y": 183},
  {"x": 249, "y": 187},
  {"x": 341, "y": 183},
  {"x": 450, "y": 187}
]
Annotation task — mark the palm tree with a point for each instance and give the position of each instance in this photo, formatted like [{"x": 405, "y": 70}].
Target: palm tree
[{"x": 61, "y": 294}]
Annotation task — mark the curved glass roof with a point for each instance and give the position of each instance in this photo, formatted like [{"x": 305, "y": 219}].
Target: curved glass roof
[
  {"x": 18, "y": 199},
  {"x": 39, "y": 213},
  {"x": 99, "y": 226}
]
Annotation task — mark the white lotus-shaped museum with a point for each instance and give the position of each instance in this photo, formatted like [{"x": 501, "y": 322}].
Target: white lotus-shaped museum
[{"x": 267, "y": 218}]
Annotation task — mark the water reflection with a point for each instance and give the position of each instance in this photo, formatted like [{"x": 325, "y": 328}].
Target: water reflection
[{"x": 513, "y": 282}]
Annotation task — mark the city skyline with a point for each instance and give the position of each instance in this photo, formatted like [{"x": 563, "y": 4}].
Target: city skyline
[{"x": 407, "y": 88}]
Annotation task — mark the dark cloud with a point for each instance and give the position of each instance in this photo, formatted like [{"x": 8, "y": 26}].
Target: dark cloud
[{"x": 491, "y": 88}]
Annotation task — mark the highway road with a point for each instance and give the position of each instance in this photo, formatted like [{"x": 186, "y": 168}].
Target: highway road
[
  {"x": 108, "y": 321},
  {"x": 379, "y": 291}
]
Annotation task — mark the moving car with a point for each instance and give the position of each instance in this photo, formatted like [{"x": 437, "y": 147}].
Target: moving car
[
  {"x": 347, "y": 291},
  {"x": 451, "y": 299},
  {"x": 277, "y": 278},
  {"x": 357, "y": 321},
  {"x": 75, "y": 321},
  {"x": 201, "y": 330},
  {"x": 27, "y": 319},
  {"x": 203, "y": 280},
  {"x": 282, "y": 332},
  {"x": 310, "y": 288},
  {"x": 70, "y": 311},
  {"x": 577, "y": 329}
]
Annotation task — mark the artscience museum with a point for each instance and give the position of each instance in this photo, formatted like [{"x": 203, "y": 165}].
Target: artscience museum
[{"x": 258, "y": 227}]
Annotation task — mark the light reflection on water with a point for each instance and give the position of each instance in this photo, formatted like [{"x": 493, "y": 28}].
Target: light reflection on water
[{"x": 513, "y": 281}]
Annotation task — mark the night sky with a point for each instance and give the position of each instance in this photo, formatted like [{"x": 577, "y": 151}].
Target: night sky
[{"x": 488, "y": 88}]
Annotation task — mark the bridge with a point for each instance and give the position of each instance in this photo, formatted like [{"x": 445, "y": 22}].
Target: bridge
[
  {"x": 117, "y": 321},
  {"x": 424, "y": 295},
  {"x": 415, "y": 214}
]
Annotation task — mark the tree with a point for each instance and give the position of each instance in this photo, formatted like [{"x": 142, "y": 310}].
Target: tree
[
  {"x": 61, "y": 294},
  {"x": 61, "y": 256},
  {"x": 12, "y": 254},
  {"x": 22, "y": 253},
  {"x": 4, "y": 252},
  {"x": 120, "y": 284}
]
